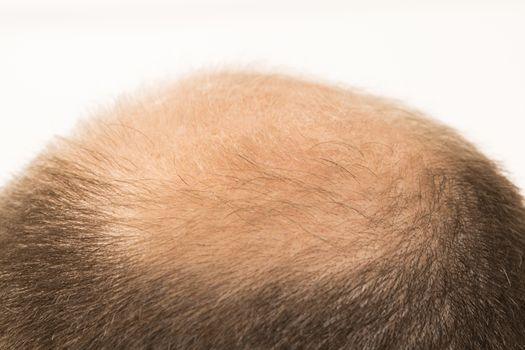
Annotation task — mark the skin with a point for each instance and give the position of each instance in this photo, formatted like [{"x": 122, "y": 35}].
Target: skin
[{"x": 256, "y": 172}]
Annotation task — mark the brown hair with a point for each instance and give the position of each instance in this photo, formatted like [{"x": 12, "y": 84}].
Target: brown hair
[{"x": 259, "y": 211}]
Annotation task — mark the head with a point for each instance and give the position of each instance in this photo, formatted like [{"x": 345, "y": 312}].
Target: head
[{"x": 241, "y": 210}]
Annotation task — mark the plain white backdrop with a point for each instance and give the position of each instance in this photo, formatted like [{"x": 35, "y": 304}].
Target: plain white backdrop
[{"x": 461, "y": 62}]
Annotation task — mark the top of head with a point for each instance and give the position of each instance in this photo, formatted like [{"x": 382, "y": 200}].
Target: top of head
[
  {"x": 246, "y": 170},
  {"x": 245, "y": 180}
]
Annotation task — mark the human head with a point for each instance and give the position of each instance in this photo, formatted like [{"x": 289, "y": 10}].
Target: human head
[{"x": 250, "y": 210}]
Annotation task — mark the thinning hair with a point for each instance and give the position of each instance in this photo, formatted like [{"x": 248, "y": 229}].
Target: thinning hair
[{"x": 241, "y": 210}]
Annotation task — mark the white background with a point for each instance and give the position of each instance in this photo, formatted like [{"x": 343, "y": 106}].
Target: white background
[{"x": 460, "y": 61}]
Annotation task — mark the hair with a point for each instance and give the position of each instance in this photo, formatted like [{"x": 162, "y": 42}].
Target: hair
[{"x": 241, "y": 210}]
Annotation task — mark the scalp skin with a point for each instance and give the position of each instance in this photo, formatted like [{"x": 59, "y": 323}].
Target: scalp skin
[
  {"x": 258, "y": 211},
  {"x": 258, "y": 153}
]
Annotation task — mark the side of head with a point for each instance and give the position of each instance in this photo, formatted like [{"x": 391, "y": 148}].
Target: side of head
[{"x": 258, "y": 211}]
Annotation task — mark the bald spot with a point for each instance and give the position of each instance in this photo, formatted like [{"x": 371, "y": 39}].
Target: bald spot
[{"x": 241, "y": 174}]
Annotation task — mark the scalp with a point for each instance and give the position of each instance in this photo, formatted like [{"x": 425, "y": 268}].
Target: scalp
[{"x": 246, "y": 173}]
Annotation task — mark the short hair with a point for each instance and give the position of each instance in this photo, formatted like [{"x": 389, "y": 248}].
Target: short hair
[{"x": 241, "y": 210}]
